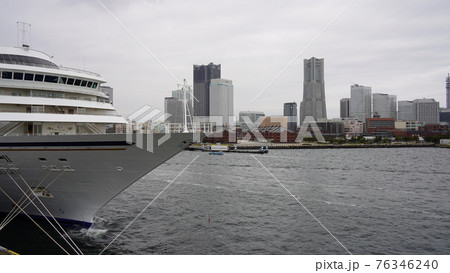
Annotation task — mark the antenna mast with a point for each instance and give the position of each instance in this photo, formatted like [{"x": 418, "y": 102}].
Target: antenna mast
[
  {"x": 186, "y": 89},
  {"x": 23, "y": 34}
]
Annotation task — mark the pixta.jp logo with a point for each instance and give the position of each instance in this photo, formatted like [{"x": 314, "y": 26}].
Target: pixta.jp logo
[{"x": 140, "y": 130}]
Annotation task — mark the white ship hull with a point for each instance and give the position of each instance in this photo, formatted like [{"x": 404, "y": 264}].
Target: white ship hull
[{"x": 75, "y": 176}]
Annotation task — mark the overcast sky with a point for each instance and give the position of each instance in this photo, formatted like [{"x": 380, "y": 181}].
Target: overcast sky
[{"x": 396, "y": 47}]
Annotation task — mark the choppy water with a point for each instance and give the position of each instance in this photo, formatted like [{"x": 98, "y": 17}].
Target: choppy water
[{"x": 373, "y": 201}]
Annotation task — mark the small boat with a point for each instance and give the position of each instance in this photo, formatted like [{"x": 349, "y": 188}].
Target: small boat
[{"x": 216, "y": 153}]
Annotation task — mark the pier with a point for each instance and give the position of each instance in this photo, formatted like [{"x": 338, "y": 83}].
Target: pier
[
  {"x": 229, "y": 148},
  {"x": 255, "y": 147}
]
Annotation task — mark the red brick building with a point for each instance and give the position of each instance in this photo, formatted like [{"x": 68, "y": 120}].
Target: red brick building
[
  {"x": 380, "y": 126},
  {"x": 433, "y": 129},
  {"x": 221, "y": 137}
]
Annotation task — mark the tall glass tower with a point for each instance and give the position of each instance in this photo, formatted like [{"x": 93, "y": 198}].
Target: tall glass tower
[
  {"x": 384, "y": 105},
  {"x": 202, "y": 79},
  {"x": 360, "y": 102},
  {"x": 290, "y": 111},
  {"x": 221, "y": 100},
  {"x": 345, "y": 108},
  {"x": 313, "y": 103},
  {"x": 447, "y": 86}
]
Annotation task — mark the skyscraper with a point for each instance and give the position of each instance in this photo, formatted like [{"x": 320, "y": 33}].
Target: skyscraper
[
  {"x": 426, "y": 111},
  {"x": 405, "y": 110},
  {"x": 447, "y": 86},
  {"x": 174, "y": 108},
  {"x": 345, "y": 108},
  {"x": 202, "y": 80},
  {"x": 392, "y": 102},
  {"x": 360, "y": 102},
  {"x": 221, "y": 99},
  {"x": 313, "y": 103},
  {"x": 290, "y": 111},
  {"x": 384, "y": 105}
]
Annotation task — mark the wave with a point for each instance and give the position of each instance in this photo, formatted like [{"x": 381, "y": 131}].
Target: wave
[{"x": 93, "y": 232}]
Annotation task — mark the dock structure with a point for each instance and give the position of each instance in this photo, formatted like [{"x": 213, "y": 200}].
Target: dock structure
[
  {"x": 253, "y": 151},
  {"x": 227, "y": 148},
  {"x": 256, "y": 147}
]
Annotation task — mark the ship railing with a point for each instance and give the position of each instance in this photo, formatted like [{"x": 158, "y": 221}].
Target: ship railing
[
  {"x": 99, "y": 100},
  {"x": 54, "y": 113},
  {"x": 65, "y": 68},
  {"x": 82, "y": 134}
]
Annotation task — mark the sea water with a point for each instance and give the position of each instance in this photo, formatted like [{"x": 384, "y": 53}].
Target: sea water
[{"x": 327, "y": 201}]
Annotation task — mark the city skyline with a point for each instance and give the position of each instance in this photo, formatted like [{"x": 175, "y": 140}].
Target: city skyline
[{"x": 254, "y": 50}]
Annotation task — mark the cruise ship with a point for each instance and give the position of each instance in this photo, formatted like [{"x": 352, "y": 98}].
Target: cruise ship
[{"x": 56, "y": 159}]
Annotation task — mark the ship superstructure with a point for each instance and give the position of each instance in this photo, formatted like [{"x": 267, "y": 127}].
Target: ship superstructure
[{"x": 37, "y": 97}]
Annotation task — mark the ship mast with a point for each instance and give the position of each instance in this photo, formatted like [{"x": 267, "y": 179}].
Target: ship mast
[{"x": 186, "y": 112}]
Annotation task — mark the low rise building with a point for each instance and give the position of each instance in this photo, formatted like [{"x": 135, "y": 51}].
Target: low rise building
[
  {"x": 411, "y": 125},
  {"x": 383, "y": 127},
  {"x": 353, "y": 127},
  {"x": 255, "y": 117},
  {"x": 433, "y": 129},
  {"x": 275, "y": 121},
  {"x": 224, "y": 136},
  {"x": 278, "y": 135}
]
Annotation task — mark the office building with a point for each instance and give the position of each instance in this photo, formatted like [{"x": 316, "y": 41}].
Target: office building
[
  {"x": 408, "y": 125},
  {"x": 405, "y": 110},
  {"x": 360, "y": 102},
  {"x": 180, "y": 94},
  {"x": 382, "y": 127},
  {"x": 334, "y": 128},
  {"x": 426, "y": 111},
  {"x": 109, "y": 91},
  {"x": 447, "y": 86},
  {"x": 274, "y": 121},
  {"x": 384, "y": 105},
  {"x": 444, "y": 115},
  {"x": 203, "y": 74},
  {"x": 313, "y": 103},
  {"x": 174, "y": 106},
  {"x": 345, "y": 108},
  {"x": 221, "y": 100},
  {"x": 353, "y": 127},
  {"x": 290, "y": 111}
]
